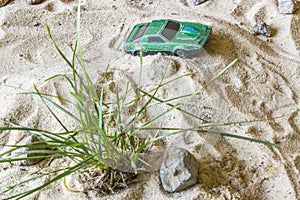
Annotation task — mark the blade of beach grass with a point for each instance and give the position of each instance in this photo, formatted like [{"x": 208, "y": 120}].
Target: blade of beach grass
[
  {"x": 178, "y": 130},
  {"x": 67, "y": 172},
  {"x": 31, "y": 177}
]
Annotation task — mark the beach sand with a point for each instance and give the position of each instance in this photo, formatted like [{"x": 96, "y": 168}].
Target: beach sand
[{"x": 264, "y": 83}]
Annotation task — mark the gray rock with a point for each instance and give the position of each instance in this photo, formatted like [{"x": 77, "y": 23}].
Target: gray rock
[
  {"x": 261, "y": 28},
  {"x": 3, "y": 2},
  {"x": 287, "y": 6},
  {"x": 32, "y": 2},
  {"x": 195, "y": 2},
  {"x": 21, "y": 153},
  {"x": 178, "y": 170}
]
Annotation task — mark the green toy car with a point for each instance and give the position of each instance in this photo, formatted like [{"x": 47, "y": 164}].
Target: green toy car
[{"x": 170, "y": 37}]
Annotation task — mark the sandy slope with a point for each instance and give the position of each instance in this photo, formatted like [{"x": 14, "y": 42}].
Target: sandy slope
[{"x": 264, "y": 83}]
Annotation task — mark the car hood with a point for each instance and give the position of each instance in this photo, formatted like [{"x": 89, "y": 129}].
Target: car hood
[{"x": 192, "y": 33}]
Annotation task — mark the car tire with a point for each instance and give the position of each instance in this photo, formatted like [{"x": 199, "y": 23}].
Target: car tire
[
  {"x": 137, "y": 53},
  {"x": 182, "y": 53}
]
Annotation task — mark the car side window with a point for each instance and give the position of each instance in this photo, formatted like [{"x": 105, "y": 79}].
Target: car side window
[
  {"x": 140, "y": 32},
  {"x": 155, "y": 39},
  {"x": 170, "y": 30}
]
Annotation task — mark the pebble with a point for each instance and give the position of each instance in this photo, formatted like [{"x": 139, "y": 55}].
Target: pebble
[
  {"x": 32, "y": 2},
  {"x": 195, "y": 2},
  {"x": 287, "y": 6},
  {"x": 261, "y": 28},
  {"x": 179, "y": 170}
]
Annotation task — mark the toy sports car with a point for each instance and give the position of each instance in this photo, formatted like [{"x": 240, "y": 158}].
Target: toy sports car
[{"x": 183, "y": 39}]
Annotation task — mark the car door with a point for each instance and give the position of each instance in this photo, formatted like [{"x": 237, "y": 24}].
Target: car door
[{"x": 157, "y": 44}]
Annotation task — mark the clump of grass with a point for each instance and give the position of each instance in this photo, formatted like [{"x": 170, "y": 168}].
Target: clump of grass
[{"x": 104, "y": 138}]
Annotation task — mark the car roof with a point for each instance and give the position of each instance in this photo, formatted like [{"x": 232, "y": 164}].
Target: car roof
[{"x": 155, "y": 26}]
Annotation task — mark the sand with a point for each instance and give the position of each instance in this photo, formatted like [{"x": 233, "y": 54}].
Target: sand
[{"x": 263, "y": 84}]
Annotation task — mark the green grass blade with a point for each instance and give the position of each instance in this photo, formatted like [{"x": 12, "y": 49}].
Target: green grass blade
[
  {"x": 67, "y": 172},
  {"x": 240, "y": 137}
]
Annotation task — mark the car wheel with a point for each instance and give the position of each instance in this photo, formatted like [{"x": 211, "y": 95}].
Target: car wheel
[
  {"x": 181, "y": 53},
  {"x": 137, "y": 53},
  {"x": 166, "y": 53}
]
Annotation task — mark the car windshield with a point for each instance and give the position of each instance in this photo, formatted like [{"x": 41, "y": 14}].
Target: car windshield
[
  {"x": 170, "y": 30},
  {"x": 140, "y": 32}
]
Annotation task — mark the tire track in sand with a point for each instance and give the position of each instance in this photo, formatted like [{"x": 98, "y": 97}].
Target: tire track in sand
[{"x": 261, "y": 85}]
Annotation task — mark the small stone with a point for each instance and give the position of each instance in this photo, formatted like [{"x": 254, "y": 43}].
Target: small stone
[
  {"x": 195, "y": 2},
  {"x": 3, "y": 2},
  {"x": 178, "y": 170},
  {"x": 22, "y": 151},
  {"x": 32, "y": 2},
  {"x": 261, "y": 28},
  {"x": 287, "y": 6}
]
